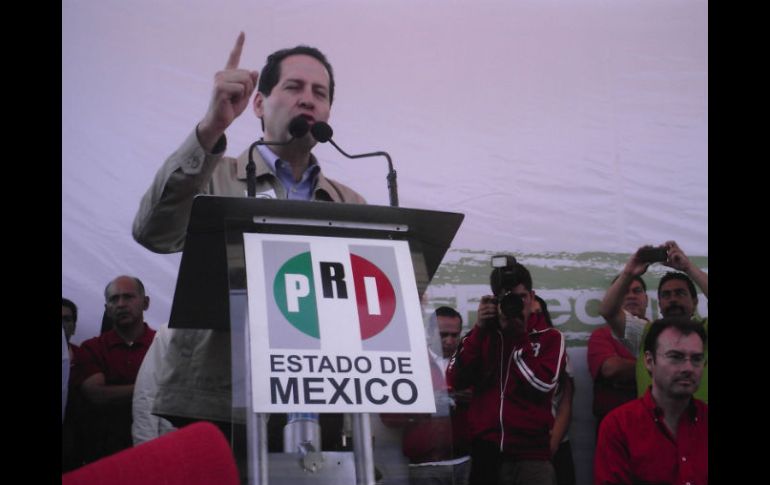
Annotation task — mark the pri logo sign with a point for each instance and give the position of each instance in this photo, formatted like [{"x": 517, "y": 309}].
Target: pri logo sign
[
  {"x": 307, "y": 290},
  {"x": 335, "y": 326}
]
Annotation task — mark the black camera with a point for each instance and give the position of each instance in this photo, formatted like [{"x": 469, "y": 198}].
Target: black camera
[
  {"x": 511, "y": 305},
  {"x": 653, "y": 255},
  {"x": 506, "y": 275}
]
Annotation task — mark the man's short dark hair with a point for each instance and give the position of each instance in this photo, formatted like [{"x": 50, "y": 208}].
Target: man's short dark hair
[
  {"x": 271, "y": 73},
  {"x": 71, "y": 305},
  {"x": 684, "y": 325},
  {"x": 635, "y": 278},
  {"x": 447, "y": 311},
  {"x": 675, "y": 275}
]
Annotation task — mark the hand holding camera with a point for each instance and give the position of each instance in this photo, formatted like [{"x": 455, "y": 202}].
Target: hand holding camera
[
  {"x": 676, "y": 257},
  {"x": 506, "y": 308},
  {"x": 512, "y": 312},
  {"x": 487, "y": 313},
  {"x": 643, "y": 257},
  {"x": 670, "y": 254}
]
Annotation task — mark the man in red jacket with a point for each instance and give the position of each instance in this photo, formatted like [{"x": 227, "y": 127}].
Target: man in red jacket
[{"x": 513, "y": 368}]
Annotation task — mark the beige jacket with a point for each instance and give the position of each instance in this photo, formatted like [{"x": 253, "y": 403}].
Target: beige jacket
[
  {"x": 194, "y": 377},
  {"x": 161, "y": 222}
]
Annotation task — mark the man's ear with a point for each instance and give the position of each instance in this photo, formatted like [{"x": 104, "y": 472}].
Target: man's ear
[
  {"x": 648, "y": 361},
  {"x": 259, "y": 101}
]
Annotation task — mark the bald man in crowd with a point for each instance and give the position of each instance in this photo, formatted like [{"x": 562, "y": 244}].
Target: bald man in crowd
[{"x": 110, "y": 364}]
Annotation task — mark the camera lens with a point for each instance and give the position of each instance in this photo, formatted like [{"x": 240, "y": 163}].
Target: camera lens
[{"x": 512, "y": 305}]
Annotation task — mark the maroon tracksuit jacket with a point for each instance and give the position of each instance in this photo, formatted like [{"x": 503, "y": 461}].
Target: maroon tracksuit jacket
[{"x": 513, "y": 380}]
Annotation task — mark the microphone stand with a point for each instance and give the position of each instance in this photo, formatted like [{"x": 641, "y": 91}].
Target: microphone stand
[
  {"x": 392, "y": 184},
  {"x": 298, "y": 127},
  {"x": 251, "y": 167}
]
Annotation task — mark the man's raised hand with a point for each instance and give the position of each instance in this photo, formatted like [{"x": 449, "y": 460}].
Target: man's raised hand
[{"x": 232, "y": 90}]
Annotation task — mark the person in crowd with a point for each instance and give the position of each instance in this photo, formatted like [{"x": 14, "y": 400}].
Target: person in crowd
[
  {"x": 437, "y": 444},
  {"x": 514, "y": 371},
  {"x": 110, "y": 364},
  {"x": 661, "y": 437},
  {"x": 146, "y": 426},
  {"x": 677, "y": 297},
  {"x": 65, "y": 374},
  {"x": 74, "y": 419},
  {"x": 610, "y": 362},
  {"x": 561, "y": 448},
  {"x": 69, "y": 318}
]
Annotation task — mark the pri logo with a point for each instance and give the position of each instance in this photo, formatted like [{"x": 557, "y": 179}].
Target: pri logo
[{"x": 317, "y": 298}]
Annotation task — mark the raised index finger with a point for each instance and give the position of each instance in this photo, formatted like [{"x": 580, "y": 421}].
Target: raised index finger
[{"x": 235, "y": 54}]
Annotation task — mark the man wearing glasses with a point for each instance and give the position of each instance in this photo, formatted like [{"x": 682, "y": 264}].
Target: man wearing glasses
[
  {"x": 677, "y": 297},
  {"x": 661, "y": 437}
]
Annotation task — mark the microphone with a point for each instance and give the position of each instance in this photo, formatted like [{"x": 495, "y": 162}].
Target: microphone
[
  {"x": 322, "y": 132},
  {"x": 298, "y": 127}
]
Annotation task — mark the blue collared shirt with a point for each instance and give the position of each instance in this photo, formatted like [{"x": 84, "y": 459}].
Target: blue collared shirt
[{"x": 302, "y": 190}]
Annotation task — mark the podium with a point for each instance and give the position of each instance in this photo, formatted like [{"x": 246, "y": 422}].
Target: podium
[{"x": 211, "y": 293}]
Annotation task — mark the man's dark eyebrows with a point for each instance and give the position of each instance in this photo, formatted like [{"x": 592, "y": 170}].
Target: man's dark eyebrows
[{"x": 302, "y": 82}]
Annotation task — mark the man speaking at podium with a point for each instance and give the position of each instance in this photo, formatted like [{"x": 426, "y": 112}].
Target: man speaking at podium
[{"x": 295, "y": 84}]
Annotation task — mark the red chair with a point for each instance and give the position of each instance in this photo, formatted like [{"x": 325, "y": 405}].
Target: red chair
[{"x": 197, "y": 454}]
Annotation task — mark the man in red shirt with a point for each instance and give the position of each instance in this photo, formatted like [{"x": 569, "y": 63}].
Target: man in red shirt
[
  {"x": 110, "y": 364},
  {"x": 661, "y": 437},
  {"x": 611, "y": 364}
]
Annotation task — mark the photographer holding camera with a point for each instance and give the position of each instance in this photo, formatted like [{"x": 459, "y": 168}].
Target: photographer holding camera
[
  {"x": 513, "y": 365},
  {"x": 677, "y": 297}
]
